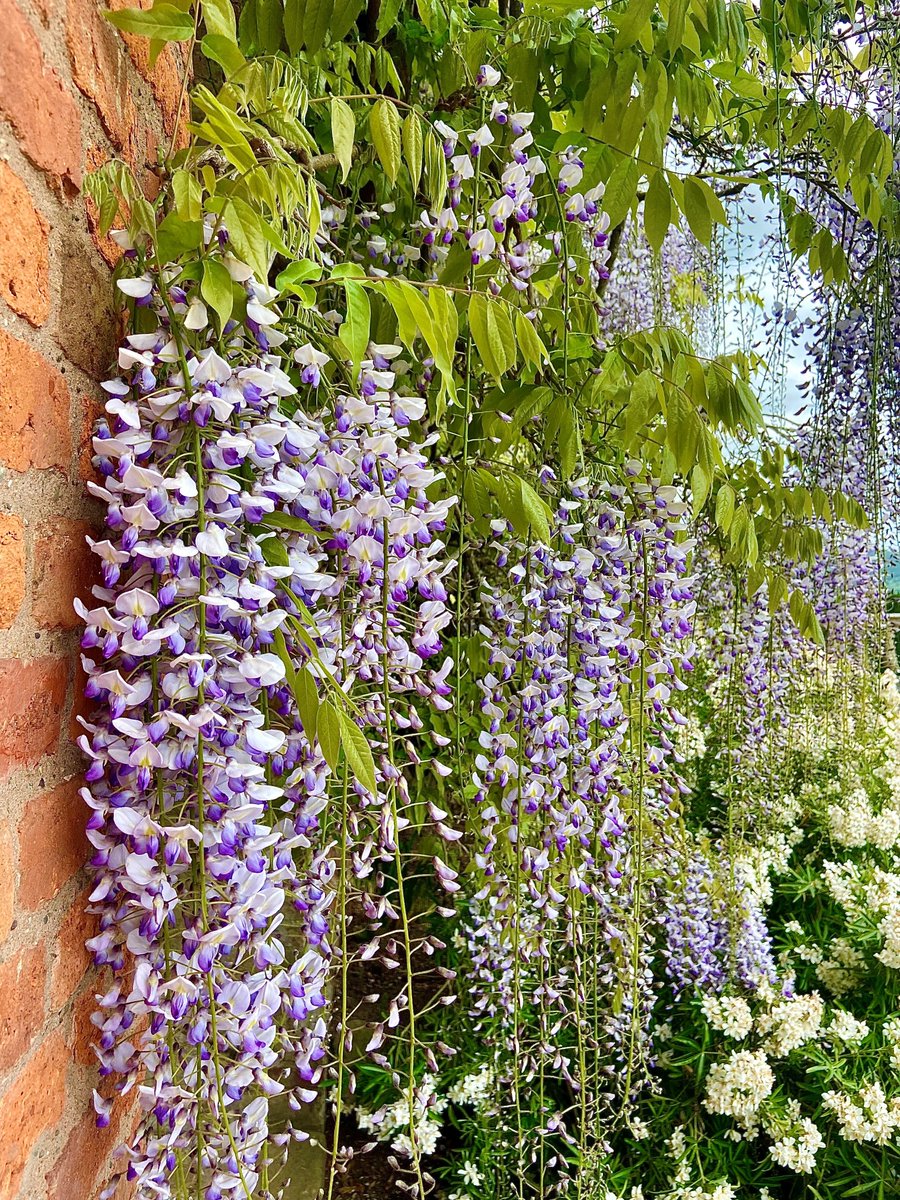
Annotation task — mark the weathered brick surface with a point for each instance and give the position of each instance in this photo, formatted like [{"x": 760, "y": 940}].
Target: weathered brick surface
[
  {"x": 70, "y": 956},
  {"x": 22, "y": 985},
  {"x": 34, "y": 1101},
  {"x": 7, "y": 879},
  {"x": 82, "y": 1031},
  {"x": 32, "y": 695},
  {"x": 79, "y": 1168},
  {"x": 165, "y": 76},
  {"x": 34, "y": 408},
  {"x": 100, "y": 69},
  {"x": 88, "y": 335},
  {"x": 52, "y": 843},
  {"x": 24, "y": 251},
  {"x": 12, "y": 567},
  {"x": 36, "y": 102},
  {"x": 63, "y": 569},
  {"x": 73, "y": 94}
]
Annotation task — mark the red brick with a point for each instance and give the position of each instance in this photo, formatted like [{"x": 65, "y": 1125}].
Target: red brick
[
  {"x": 81, "y": 1167},
  {"x": 24, "y": 251},
  {"x": 34, "y": 99},
  {"x": 12, "y": 568},
  {"x": 21, "y": 1004},
  {"x": 63, "y": 569},
  {"x": 35, "y": 428},
  {"x": 31, "y": 1104},
  {"x": 52, "y": 843},
  {"x": 100, "y": 69},
  {"x": 32, "y": 696},
  {"x": 7, "y": 879},
  {"x": 165, "y": 76},
  {"x": 70, "y": 958}
]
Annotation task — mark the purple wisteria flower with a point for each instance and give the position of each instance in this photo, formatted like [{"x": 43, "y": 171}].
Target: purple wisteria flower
[
  {"x": 589, "y": 638},
  {"x": 245, "y": 546}
]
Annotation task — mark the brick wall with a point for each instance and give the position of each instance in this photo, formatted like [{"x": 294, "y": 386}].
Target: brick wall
[{"x": 73, "y": 92}]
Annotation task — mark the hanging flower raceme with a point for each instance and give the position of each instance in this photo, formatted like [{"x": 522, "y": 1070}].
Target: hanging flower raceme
[
  {"x": 500, "y": 186},
  {"x": 365, "y": 497},
  {"x": 244, "y": 546},
  {"x": 194, "y": 840},
  {"x": 568, "y": 769}
]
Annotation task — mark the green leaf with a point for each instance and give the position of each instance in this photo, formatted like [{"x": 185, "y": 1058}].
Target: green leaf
[
  {"x": 225, "y": 52},
  {"x": 520, "y": 404},
  {"x": 248, "y": 35},
  {"x": 302, "y": 685},
  {"x": 292, "y": 278},
  {"x": 218, "y": 16},
  {"x": 293, "y": 24},
  {"x": 411, "y": 311},
  {"x": 569, "y": 440},
  {"x": 216, "y": 288},
  {"x": 804, "y": 617},
  {"x": 386, "y": 72},
  {"x": 307, "y": 696},
  {"x": 188, "y": 195},
  {"x": 282, "y": 520},
  {"x": 316, "y": 22},
  {"x": 725, "y": 499},
  {"x": 445, "y": 322},
  {"x": 246, "y": 232},
  {"x": 273, "y": 549},
  {"x": 700, "y": 485},
  {"x": 493, "y": 334},
  {"x": 109, "y": 210},
  {"x": 269, "y": 25},
  {"x": 535, "y": 512},
  {"x": 682, "y": 428},
  {"x": 343, "y": 130},
  {"x": 348, "y": 270},
  {"x": 354, "y": 332},
  {"x": 701, "y": 207},
  {"x": 284, "y": 654},
  {"x": 657, "y": 210},
  {"x": 533, "y": 349},
  {"x": 632, "y": 24},
  {"x": 384, "y": 126},
  {"x": 175, "y": 237},
  {"x": 162, "y": 22},
  {"x": 738, "y": 530},
  {"x": 643, "y": 405},
  {"x": 358, "y": 751},
  {"x": 387, "y": 17},
  {"x": 328, "y": 731},
  {"x": 562, "y": 425},
  {"x": 226, "y": 128},
  {"x": 435, "y": 170},
  {"x": 413, "y": 147},
  {"x": 344, "y": 17},
  {"x": 621, "y": 190},
  {"x": 777, "y": 590}
]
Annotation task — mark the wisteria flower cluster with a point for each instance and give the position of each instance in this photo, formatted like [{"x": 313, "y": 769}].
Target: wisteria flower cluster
[
  {"x": 501, "y": 185},
  {"x": 568, "y": 772},
  {"x": 245, "y": 547}
]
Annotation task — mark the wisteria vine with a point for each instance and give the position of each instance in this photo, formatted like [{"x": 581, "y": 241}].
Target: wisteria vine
[{"x": 453, "y": 729}]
